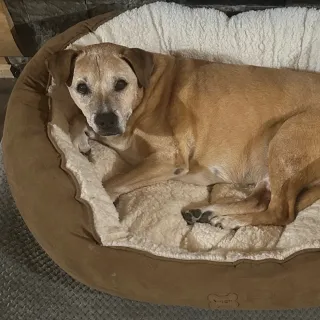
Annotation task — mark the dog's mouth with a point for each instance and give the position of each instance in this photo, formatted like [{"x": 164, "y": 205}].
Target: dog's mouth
[
  {"x": 109, "y": 132},
  {"x": 107, "y": 124}
]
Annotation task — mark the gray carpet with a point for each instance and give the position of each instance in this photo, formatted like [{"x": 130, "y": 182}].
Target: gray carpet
[{"x": 32, "y": 287}]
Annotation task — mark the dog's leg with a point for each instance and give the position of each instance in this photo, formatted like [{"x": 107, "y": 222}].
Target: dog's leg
[
  {"x": 307, "y": 197},
  {"x": 257, "y": 201},
  {"x": 294, "y": 164},
  {"x": 79, "y": 132},
  {"x": 150, "y": 171}
]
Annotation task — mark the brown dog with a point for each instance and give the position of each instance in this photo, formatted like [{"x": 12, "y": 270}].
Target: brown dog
[{"x": 201, "y": 123}]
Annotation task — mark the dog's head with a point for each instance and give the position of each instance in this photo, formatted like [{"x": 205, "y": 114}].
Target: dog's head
[{"x": 105, "y": 81}]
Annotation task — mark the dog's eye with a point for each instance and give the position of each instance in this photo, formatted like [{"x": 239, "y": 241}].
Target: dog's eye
[
  {"x": 120, "y": 85},
  {"x": 83, "y": 88}
]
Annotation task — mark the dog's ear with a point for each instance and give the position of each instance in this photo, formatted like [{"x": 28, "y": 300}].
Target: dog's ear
[
  {"x": 61, "y": 66},
  {"x": 141, "y": 62}
]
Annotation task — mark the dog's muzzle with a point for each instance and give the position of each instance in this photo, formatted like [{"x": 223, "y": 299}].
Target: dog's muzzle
[{"x": 107, "y": 124}]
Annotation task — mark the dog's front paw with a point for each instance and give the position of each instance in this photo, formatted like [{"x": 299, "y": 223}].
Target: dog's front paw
[
  {"x": 111, "y": 191},
  {"x": 113, "y": 196},
  {"x": 192, "y": 216},
  {"x": 80, "y": 134},
  {"x": 81, "y": 143}
]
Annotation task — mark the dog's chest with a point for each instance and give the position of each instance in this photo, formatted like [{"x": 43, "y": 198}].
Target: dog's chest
[{"x": 138, "y": 146}]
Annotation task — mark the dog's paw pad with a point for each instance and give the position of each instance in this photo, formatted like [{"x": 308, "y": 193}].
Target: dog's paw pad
[
  {"x": 205, "y": 217},
  {"x": 187, "y": 216},
  {"x": 196, "y": 215}
]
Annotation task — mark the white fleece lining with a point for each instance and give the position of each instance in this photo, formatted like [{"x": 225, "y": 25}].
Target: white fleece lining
[{"x": 150, "y": 218}]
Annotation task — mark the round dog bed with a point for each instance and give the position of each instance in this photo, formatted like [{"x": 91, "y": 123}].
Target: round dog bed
[{"x": 143, "y": 250}]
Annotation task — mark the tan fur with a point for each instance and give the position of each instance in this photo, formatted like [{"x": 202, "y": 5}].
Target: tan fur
[{"x": 208, "y": 123}]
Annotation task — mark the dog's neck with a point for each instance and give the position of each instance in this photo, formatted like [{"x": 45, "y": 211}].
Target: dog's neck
[{"x": 159, "y": 92}]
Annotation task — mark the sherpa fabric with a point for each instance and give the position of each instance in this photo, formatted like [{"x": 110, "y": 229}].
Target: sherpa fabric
[
  {"x": 149, "y": 219},
  {"x": 33, "y": 287}
]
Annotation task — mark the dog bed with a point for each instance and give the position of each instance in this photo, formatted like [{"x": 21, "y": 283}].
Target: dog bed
[{"x": 143, "y": 249}]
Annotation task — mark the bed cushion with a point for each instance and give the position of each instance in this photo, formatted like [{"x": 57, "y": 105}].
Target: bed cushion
[{"x": 64, "y": 227}]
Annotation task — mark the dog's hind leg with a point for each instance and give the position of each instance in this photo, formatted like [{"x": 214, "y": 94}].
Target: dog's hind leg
[
  {"x": 257, "y": 201},
  {"x": 294, "y": 165},
  {"x": 307, "y": 197}
]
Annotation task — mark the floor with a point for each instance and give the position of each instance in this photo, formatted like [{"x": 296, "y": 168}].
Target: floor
[{"x": 6, "y": 86}]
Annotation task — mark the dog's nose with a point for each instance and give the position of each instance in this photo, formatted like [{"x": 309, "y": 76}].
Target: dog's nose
[{"x": 106, "y": 121}]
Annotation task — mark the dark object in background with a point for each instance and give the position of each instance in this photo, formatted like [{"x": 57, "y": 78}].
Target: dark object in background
[
  {"x": 36, "y": 21},
  {"x": 17, "y": 64}
]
